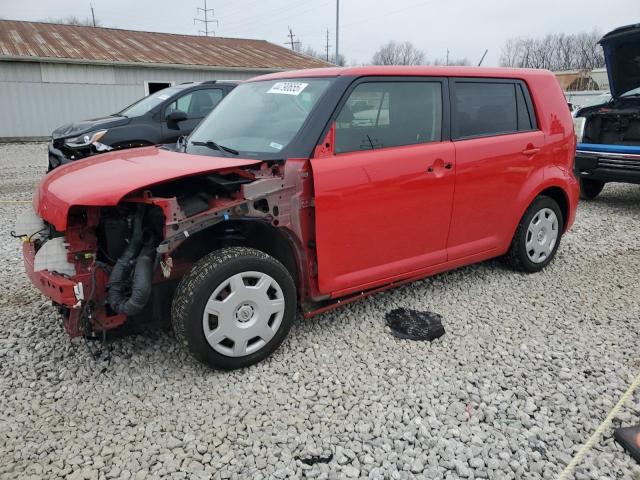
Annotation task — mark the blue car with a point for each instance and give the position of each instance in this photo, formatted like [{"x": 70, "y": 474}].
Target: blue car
[{"x": 609, "y": 133}]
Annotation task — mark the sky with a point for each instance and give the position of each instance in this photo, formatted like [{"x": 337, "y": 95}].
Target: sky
[{"x": 464, "y": 27}]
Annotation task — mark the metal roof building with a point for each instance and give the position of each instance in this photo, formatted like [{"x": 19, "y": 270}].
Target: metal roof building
[{"x": 52, "y": 74}]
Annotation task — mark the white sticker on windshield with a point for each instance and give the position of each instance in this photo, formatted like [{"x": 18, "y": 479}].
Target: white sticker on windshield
[
  {"x": 288, "y": 88},
  {"x": 163, "y": 97},
  {"x": 275, "y": 145}
]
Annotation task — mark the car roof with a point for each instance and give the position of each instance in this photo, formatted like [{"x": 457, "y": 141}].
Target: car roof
[
  {"x": 230, "y": 83},
  {"x": 408, "y": 71}
]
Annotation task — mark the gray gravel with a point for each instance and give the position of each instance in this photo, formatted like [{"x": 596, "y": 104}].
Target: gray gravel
[{"x": 529, "y": 367}]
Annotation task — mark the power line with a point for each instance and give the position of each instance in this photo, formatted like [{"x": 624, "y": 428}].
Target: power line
[
  {"x": 387, "y": 14},
  {"x": 240, "y": 7},
  {"x": 285, "y": 14},
  {"x": 206, "y": 20}
]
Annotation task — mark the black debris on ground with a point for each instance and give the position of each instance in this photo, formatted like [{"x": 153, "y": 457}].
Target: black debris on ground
[
  {"x": 316, "y": 459},
  {"x": 414, "y": 325}
]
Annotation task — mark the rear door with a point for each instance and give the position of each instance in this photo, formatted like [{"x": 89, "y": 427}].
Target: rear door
[
  {"x": 196, "y": 104},
  {"x": 498, "y": 149},
  {"x": 383, "y": 199}
]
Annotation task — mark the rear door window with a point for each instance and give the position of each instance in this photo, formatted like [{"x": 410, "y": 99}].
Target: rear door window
[
  {"x": 486, "y": 108},
  {"x": 524, "y": 115},
  {"x": 388, "y": 114}
]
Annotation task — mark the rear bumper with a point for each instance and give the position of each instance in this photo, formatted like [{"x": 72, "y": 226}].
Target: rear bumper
[
  {"x": 56, "y": 287},
  {"x": 608, "y": 166}
]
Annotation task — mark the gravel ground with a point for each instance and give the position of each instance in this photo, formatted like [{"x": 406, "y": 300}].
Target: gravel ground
[{"x": 529, "y": 367}]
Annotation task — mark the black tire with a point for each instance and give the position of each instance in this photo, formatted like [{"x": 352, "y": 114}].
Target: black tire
[
  {"x": 517, "y": 256},
  {"x": 590, "y": 189},
  {"x": 199, "y": 284}
]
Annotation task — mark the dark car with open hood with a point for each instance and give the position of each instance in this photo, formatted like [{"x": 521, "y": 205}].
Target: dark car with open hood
[
  {"x": 609, "y": 133},
  {"x": 162, "y": 117}
]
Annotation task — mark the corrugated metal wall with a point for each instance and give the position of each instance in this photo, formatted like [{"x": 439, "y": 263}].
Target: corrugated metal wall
[{"x": 38, "y": 97}]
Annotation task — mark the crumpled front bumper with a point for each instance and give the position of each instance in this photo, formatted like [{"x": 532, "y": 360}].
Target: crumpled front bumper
[
  {"x": 56, "y": 287},
  {"x": 63, "y": 291},
  {"x": 56, "y": 157}
]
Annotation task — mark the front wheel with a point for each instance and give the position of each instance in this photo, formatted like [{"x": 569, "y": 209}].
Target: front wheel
[
  {"x": 234, "y": 308},
  {"x": 590, "y": 189},
  {"x": 537, "y": 237}
]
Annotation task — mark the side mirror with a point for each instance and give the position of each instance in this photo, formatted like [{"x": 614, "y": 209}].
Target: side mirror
[{"x": 176, "y": 117}]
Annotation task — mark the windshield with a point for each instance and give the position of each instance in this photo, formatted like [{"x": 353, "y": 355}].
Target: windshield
[
  {"x": 145, "y": 104},
  {"x": 635, "y": 91},
  {"x": 263, "y": 117},
  {"x": 600, "y": 99}
]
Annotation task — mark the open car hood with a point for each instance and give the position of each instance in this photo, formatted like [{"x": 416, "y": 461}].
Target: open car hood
[
  {"x": 104, "y": 180},
  {"x": 622, "y": 56}
]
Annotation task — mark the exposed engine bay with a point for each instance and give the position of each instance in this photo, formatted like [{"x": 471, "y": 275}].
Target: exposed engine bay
[
  {"x": 613, "y": 126},
  {"x": 124, "y": 262}
]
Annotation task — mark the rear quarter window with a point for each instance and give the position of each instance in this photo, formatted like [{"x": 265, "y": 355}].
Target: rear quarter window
[{"x": 486, "y": 108}]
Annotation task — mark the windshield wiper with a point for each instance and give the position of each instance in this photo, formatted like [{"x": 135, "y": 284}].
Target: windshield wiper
[{"x": 214, "y": 146}]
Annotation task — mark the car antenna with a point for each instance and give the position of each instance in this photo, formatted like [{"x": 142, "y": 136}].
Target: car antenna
[{"x": 483, "y": 55}]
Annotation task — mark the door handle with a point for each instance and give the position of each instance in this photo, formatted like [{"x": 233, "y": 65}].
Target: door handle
[
  {"x": 530, "y": 151},
  {"x": 438, "y": 163}
]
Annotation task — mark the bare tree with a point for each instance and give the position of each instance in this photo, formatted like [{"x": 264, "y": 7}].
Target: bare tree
[
  {"x": 312, "y": 52},
  {"x": 590, "y": 54},
  {"x": 73, "y": 20},
  {"x": 510, "y": 53},
  {"x": 341, "y": 61},
  {"x": 554, "y": 51},
  {"x": 452, "y": 61},
  {"x": 394, "y": 53}
]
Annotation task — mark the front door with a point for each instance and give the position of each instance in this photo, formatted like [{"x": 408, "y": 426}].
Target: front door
[
  {"x": 196, "y": 104},
  {"x": 383, "y": 199}
]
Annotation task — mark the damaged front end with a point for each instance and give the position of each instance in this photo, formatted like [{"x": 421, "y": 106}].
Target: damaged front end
[
  {"x": 121, "y": 263},
  {"x": 73, "y": 268}
]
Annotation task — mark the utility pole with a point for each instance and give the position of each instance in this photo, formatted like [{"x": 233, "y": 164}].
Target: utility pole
[
  {"x": 337, "y": 61},
  {"x": 93, "y": 16},
  {"x": 327, "y": 47},
  {"x": 447, "y": 61},
  {"x": 291, "y": 41},
  {"x": 206, "y": 20}
]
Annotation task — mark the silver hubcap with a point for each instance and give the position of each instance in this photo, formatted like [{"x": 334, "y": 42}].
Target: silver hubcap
[
  {"x": 542, "y": 235},
  {"x": 243, "y": 313}
]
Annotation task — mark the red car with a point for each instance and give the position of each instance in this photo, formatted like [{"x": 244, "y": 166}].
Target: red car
[{"x": 306, "y": 189}]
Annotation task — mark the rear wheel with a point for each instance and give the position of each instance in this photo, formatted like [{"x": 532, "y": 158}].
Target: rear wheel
[
  {"x": 537, "y": 237},
  {"x": 234, "y": 308},
  {"x": 590, "y": 189}
]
